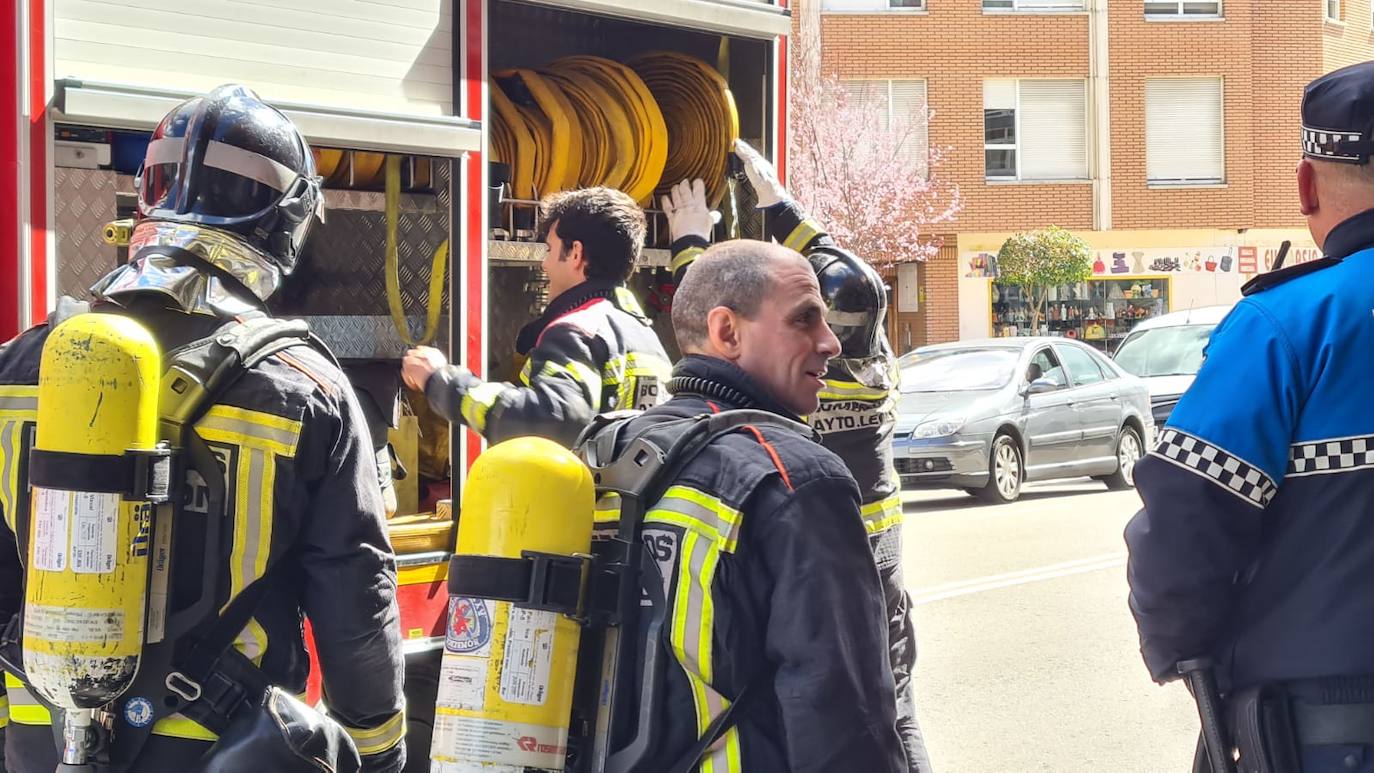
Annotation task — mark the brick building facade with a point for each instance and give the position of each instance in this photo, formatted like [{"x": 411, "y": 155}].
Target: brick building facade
[{"x": 1254, "y": 55}]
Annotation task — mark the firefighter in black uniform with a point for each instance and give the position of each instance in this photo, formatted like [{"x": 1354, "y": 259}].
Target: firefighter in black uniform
[
  {"x": 227, "y": 195},
  {"x": 774, "y": 602},
  {"x": 858, "y": 404},
  {"x": 592, "y": 350},
  {"x": 1255, "y": 547}
]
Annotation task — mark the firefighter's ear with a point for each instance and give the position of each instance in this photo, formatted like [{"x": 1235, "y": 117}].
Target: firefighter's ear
[
  {"x": 577, "y": 258},
  {"x": 723, "y": 332}
]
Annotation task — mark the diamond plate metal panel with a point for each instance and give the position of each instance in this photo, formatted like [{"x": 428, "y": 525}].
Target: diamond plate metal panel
[
  {"x": 84, "y": 200},
  {"x": 369, "y": 337}
]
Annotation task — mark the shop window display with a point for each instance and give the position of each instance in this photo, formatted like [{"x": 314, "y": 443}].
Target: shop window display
[{"x": 1099, "y": 312}]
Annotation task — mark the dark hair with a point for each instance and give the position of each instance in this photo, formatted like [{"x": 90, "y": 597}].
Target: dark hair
[{"x": 607, "y": 222}]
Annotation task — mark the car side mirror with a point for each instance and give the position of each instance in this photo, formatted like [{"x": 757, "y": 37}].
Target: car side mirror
[{"x": 1041, "y": 385}]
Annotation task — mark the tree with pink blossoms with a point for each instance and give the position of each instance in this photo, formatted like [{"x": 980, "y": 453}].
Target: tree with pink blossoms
[{"x": 857, "y": 166}]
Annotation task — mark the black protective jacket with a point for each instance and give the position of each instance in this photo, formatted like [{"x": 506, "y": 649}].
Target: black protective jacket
[
  {"x": 302, "y": 496},
  {"x": 856, "y": 419},
  {"x": 769, "y": 575},
  {"x": 592, "y": 351}
]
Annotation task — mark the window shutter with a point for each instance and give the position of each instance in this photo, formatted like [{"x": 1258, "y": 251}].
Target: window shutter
[
  {"x": 854, "y": 5},
  {"x": 1183, "y": 130},
  {"x": 1054, "y": 140},
  {"x": 910, "y": 118}
]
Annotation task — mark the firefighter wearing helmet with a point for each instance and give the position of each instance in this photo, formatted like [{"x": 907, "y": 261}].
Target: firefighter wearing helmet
[
  {"x": 186, "y": 479},
  {"x": 858, "y": 404}
]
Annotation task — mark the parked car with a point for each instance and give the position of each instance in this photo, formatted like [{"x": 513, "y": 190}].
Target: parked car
[
  {"x": 987, "y": 416},
  {"x": 1166, "y": 351}
]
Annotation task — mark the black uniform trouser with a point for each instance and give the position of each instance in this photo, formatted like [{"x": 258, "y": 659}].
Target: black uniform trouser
[
  {"x": 30, "y": 749},
  {"x": 901, "y": 640}
]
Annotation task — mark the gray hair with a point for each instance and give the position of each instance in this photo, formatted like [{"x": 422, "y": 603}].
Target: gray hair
[{"x": 737, "y": 274}]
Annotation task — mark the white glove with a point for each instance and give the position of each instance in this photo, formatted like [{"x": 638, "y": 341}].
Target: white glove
[
  {"x": 762, "y": 176},
  {"x": 688, "y": 215}
]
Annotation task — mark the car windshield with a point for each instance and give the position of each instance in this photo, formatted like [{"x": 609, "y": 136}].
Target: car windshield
[
  {"x": 950, "y": 370},
  {"x": 1164, "y": 351}
]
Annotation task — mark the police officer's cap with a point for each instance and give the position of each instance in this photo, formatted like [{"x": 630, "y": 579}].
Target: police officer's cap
[{"x": 1338, "y": 115}]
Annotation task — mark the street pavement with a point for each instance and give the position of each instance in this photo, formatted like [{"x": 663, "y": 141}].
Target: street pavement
[{"x": 1029, "y": 659}]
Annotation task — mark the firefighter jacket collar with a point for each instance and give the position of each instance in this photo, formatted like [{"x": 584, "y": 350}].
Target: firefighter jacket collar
[
  {"x": 1351, "y": 235},
  {"x": 724, "y": 383},
  {"x": 567, "y": 301}
]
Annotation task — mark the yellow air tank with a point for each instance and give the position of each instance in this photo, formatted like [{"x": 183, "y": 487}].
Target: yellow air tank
[
  {"x": 506, "y": 686},
  {"x": 87, "y": 574}
]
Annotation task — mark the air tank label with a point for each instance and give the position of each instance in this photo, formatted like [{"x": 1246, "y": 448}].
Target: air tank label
[
  {"x": 529, "y": 656},
  {"x": 95, "y": 530},
  {"x": 73, "y": 624},
  {"x": 465, "y": 743},
  {"x": 463, "y": 682},
  {"x": 51, "y": 512}
]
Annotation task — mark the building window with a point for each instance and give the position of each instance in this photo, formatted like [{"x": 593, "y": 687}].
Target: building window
[
  {"x": 873, "y": 5},
  {"x": 1183, "y": 131},
  {"x": 1333, "y": 10},
  {"x": 1033, "y": 6},
  {"x": 1035, "y": 129},
  {"x": 899, "y": 106},
  {"x": 1182, "y": 8}
]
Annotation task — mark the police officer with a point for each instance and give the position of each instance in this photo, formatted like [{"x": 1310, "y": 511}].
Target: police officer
[
  {"x": 858, "y": 405},
  {"x": 592, "y": 350},
  {"x": 226, "y": 198},
  {"x": 774, "y": 602},
  {"x": 1256, "y": 543}
]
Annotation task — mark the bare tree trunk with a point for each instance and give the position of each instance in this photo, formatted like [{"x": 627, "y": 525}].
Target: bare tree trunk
[{"x": 1038, "y": 296}]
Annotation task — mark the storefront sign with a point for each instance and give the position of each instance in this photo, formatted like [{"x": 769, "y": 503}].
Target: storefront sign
[{"x": 1164, "y": 260}]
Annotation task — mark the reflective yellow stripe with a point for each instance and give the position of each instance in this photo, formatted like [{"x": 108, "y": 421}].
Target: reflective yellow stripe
[
  {"x": 607, "y": 509},
  {"x": 711, "y": 528},
  {"x": 686, "y": 257},
  {"x": 378, "y": 739},
  {"x": 261, "y": 438},
  {"x": 626, "y": 300},
  {"x": 580, "y": 373},
  {"x": 525, "y": 372},
  {"x": 4, "y": 709},
  {"x": 478, "y": 401},
  {"x": 18, "y": 407},
  {"x": 882, "y": 515},
  {"x": 24, "y": 708},
  {"x": 623, "y": 373},
  {"x": 802, "y": 235},
  {"x": 178, "y": 726},
  {"x": 852, "y": 390}
]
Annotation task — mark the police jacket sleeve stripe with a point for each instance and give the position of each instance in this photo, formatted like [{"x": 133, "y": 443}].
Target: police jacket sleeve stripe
[
  {"x": 1219, "y": 463},
  {"x": 349, "y": 588},
  {"x": 827, "y": 633}
]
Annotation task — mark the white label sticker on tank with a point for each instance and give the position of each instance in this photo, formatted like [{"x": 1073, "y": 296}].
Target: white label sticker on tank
[
  {"x": 529, "y": 655},
  {"x": 72, "y": 624},
  {"x": 51, "y": 510},
  {"x": 95, "y": 529},
  {"x": 463, "y": 682},
  {"x": 467, "y": 744}
]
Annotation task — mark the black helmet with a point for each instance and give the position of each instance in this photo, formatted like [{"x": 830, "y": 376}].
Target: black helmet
[
  {"x": 855, "y": 300},
  {"x": 229, "y": 161}
]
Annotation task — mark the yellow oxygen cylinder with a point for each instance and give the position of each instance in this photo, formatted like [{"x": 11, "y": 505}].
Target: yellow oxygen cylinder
[
  {"x": 506, "y": 685},
  {"x": 87, "y": 573}
]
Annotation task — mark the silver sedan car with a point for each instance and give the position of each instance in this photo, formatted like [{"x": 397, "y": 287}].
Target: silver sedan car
[{"x": 987, "y": 416}]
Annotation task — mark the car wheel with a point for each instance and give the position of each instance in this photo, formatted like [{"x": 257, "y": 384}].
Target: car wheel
[
  {"x": 1005, "y": 471},
  {"x": 1129, "y": 449}
]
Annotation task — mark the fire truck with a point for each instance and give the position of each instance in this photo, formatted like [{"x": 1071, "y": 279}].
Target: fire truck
[{"x": 364, "y": 80}]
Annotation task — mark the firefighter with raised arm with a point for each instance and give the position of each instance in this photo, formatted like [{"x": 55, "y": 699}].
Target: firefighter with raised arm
[
  {"x": 158, "y": 623},
  {"x": 592, "y": 350},
  {"x": 858, "y": 404}
]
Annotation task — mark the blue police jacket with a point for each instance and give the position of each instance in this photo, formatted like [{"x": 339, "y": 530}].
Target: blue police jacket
[{"x": 1256, "y": 542}]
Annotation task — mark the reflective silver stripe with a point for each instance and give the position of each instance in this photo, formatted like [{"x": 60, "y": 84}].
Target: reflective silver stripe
[
  {"x": 246, "y": 163},
  {"x": 847, "y": 318},
  {"x": 698, "y": 509},
  {"x": 251, "y": 429},
  {"x": 24, "y": 403},
  {"x": 168, "y": 150}
]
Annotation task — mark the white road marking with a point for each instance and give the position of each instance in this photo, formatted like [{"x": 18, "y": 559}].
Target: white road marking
[{"x": 951, "y": 590}]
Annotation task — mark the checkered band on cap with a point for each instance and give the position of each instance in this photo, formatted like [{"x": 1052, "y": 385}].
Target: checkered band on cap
[
  {"x": 1327, "y": 456},
  {"x": 1231, "y": 473},
  {"x": 1327, "y": 144}
]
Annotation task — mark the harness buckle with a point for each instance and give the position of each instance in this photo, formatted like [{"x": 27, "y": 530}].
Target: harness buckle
[{"x": 183, "y": 685}]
